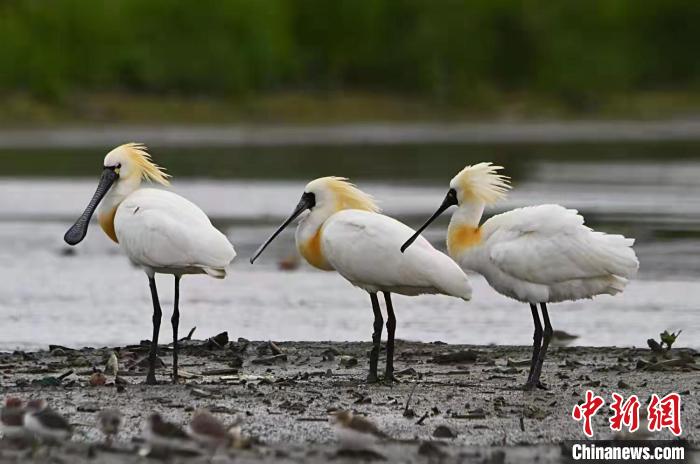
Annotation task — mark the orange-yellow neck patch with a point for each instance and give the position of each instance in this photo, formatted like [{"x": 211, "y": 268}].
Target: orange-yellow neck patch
[
  {"x": 311, "y": 251},
  {"x": 107, "y": 224},
  {"x": 461, "y": 237}
]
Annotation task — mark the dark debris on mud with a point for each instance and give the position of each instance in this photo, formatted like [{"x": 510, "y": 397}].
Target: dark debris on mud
[{"x": 451, "y": 403}]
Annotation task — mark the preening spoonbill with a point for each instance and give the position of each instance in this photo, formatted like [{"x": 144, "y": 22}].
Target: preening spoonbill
[
  {"x": 344, "y": 231},
  {"x": 159, "y": 230},
  {"x": 537, "y": 255}
]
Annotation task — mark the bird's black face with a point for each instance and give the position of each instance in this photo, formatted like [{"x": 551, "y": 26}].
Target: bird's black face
[
  {"x": 77, "y": 232},
  {"x": 308, "y": 201},
  {"x": 450, "y": 200}
]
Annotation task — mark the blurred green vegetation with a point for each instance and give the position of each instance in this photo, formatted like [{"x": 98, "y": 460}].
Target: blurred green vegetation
[{"x": 579, "y": 53}]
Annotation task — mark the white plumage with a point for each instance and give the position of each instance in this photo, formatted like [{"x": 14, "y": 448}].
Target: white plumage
[
  {"x": 537, "y": 255},
  {"x": 343, "y": 231},
  {"x": 544, "y": 254},
  {"x": 158, "y": 230},
  {"x": 167, "y": 233},
  {"x": 363, "y": 247}
]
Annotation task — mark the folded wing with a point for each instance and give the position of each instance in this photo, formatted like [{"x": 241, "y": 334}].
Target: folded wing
[
  {"x": 364, "y": 247},
  {"x": 160, "y": 229},
  {"x": 549, "y": 244}
]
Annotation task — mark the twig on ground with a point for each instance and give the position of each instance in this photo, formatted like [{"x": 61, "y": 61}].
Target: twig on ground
[
  {"x": 408, "y": 401},
  {"x": 189, "y": 334}
]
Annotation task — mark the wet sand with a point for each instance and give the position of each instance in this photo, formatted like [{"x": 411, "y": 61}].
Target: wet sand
[{"x": 472, "y": 399}]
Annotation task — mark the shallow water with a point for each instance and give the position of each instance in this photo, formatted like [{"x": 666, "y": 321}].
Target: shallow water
[{"x": 91, "y": 295}]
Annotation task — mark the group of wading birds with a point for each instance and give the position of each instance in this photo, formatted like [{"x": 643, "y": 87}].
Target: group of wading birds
[
  {"x": 35, "y": 423},
  {"x": 537, "y": 254}
]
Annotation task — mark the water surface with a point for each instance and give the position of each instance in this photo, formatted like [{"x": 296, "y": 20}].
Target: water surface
[{"x": 91, "y": 295}]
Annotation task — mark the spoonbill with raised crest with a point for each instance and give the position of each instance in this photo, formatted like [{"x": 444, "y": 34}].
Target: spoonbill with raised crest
[
  {"x": 159, "y": 230},
  {"x": 344, "y": 231},
  {"x": 537, "y": 254}
]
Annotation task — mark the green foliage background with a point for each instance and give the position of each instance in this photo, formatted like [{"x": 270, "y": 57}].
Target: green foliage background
[{"x": 444, "y": 50}]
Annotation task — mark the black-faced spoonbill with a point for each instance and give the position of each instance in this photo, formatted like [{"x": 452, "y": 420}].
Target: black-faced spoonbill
[
  {"x": 344, "y": 231},
  {"x": 159, "y": 231},
  {"x": 537, "y": 255}
]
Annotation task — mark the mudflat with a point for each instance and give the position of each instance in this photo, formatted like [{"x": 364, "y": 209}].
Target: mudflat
[{"x": 450, "y": 403}]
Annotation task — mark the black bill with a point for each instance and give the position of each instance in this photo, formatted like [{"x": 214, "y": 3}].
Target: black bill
[
  {"x": 450, "y": 200},
  {"x": 77, "y": 232},
  {"x": 308, "y": 201}
]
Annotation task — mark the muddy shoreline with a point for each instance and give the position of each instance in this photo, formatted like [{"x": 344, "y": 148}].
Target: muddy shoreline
[{"x": 282, "y": 393}]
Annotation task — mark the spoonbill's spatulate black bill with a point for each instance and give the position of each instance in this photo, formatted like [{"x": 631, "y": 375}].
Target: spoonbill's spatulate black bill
[
  {"x": 77, "y": 232},
  {"x": 450, "y": 200},
  {"x": 308, "y": 200}
]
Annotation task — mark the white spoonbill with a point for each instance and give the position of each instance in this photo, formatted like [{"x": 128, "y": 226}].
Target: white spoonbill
[
  {"x": 344, "y": 231},
  {"x": 538, "y": 254},
  {"x": 159, "y": 230}
]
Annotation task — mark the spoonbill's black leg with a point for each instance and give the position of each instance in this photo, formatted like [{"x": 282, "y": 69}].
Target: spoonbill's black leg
[
  {"x": 376, "y": 339},
  {"x": 536, "y": 345},
  {"x": 548, "y": 331},
  {"x": 153, "y": 355},
  {"x": 390, "y": 330},
  {"x": 175, "y": 320}
]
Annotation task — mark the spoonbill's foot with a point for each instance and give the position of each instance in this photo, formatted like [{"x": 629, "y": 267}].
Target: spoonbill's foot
[
  {"x": 390, "y": 379},
  {"x": 533, "y": 385}
]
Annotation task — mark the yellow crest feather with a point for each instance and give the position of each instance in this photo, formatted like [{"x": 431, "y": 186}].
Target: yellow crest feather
[
  {"x": 483, "y": 183},
  {"x": 149, "y": 170},
  {"x": 348, "y": 196}
]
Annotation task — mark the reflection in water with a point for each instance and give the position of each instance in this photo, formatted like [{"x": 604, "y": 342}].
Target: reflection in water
[{"x": 92, "y": 296}]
